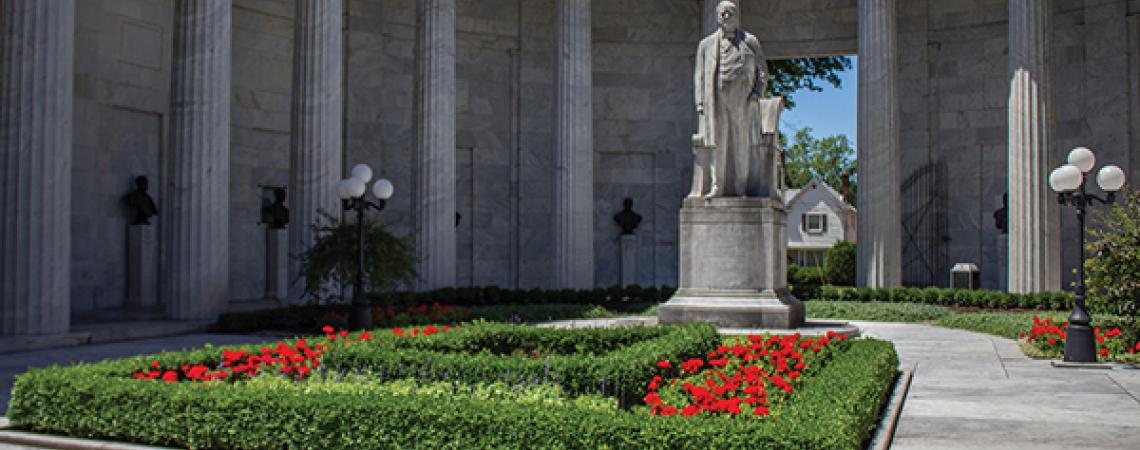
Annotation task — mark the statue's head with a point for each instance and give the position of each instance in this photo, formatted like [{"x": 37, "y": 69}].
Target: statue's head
[
  {"x": 279, "y": 194},
  {"x": 727, "y": 16},
  {"x": 628, "y": 203},
  {"x": 141, "y": 183}
]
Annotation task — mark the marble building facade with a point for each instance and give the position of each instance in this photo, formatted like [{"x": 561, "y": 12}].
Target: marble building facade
[{"x": 531, "y": 119}]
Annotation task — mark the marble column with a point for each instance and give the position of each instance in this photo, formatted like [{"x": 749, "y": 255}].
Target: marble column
[
  {"x": 434, "y": 163},
  {"x": 573, "y": 147},
  {"x": 880, "y": 218},
  {"x": 37, "y": 46},
  {"x": 316, "y": 150},
  {"x": 1034, "y": 220},
  {"x": 195, "y": 234}
]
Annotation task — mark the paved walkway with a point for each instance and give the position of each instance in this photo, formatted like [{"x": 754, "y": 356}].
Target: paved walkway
[
  {"x": 969, "y": 390},
  {"x": 978, "y": 391}
]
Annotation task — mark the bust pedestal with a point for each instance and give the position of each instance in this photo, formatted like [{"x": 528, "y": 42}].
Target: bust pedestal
[
  {"x": 628, "y": 259},
  {"x": 733, "y": 266},
  {"x": 276, "y": 264},
  {"x": 142, "y": 284}
]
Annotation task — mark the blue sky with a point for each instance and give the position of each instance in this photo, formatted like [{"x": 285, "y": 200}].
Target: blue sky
[{"x": 829, "y": 112}]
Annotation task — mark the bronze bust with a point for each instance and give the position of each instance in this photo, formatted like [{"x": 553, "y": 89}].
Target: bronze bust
[
  {"x": 141, "y": 204},
  {"x": 627, "y": 219},
  {"x": 276, "y": 214}
]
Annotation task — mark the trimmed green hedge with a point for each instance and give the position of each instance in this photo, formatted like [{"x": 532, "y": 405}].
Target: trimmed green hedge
[
  {"x": 881, "y": 312},
  {"x": 950, "y": 297},
  {"x": 835, "y": 410},
  {"x": 494, "y": 295},
  {"x": 310, "y": 318}
]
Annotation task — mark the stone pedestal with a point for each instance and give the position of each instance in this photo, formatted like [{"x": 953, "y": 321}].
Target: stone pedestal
[
  {"x": 142, "y": 255},
  {"x": 1003, "y": 263},
  {"x": 733, "y": 269},
  {"x": 276, "y": 264},
  {"x": 628, "y": 259}
]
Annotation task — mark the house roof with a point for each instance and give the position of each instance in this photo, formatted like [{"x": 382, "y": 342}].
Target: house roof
[{"x": 793, "y": 195}]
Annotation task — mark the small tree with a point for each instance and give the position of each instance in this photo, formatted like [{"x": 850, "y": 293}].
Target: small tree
[
  {"x": 1113, "y": 270},
  {"x": 388, "y": 260},
  {"x": 840, "y": 264}
]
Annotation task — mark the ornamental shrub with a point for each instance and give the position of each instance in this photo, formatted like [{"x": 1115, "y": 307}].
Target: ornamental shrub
[
  {"x": 1113, "y": 270},
  {"x": 330, "y": 264},
  {"x": 839, "y": 264},
  {"x": 837, "y": 409}
]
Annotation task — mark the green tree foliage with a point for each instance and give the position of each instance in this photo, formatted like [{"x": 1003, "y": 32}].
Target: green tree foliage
[
  {"x": 828, "y": 159},
  {"x": 786, "y": 76},
  {"x": 331, "y": 262},
  {"x": 839, "y": 265},
  {"x": 1113, "y": 270}
]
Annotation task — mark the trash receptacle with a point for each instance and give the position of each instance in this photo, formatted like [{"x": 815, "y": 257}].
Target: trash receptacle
[{"x": 965, "y": 276}]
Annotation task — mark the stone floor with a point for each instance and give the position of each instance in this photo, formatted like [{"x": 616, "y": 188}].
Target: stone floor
[{"x": 970, "y": 390}]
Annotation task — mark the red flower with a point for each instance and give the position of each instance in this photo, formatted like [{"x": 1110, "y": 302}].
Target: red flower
[
  {"x": 760, "y": 411},
  {"x": 365, "y": 336},
  {"x": 664, "y": 364},
  {"x": 652, "y": 399},
  {"x": 692, "y": 365},
  {"x": 398, "y": 331},
  {"x": 1104, "y": 352},
  {"x": 327, "y": 329},
  {"x": 691, "y": 410},
  {"x": 170, "y": 376},
  {"x": 154, "y": 364}
]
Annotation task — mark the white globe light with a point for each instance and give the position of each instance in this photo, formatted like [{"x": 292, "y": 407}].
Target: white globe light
[
  {"x": 1066, "y": 178},
  {"x": 354, "y": 187},
  {"x": 362, "y": 172},
  {"x": 1110, "y": 178},
  {"x": 341, "y": 190},
  {"x": 383, "y": 189},
  {"x": 1082, "y": 158}
]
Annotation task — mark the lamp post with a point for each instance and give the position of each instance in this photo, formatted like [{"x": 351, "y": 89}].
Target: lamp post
[
  {"x": 1069, "y": 183},
  {"x": 351, "y": 192}
]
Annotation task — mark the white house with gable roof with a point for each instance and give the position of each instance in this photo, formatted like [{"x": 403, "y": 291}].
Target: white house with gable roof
[{"x": 818, "y": 217}]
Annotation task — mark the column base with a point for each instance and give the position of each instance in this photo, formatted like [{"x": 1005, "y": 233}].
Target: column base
[{"x": 729, "y": 309}]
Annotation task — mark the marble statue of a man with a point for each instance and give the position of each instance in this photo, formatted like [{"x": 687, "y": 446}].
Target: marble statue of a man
[{"x": 731, "y": 73}]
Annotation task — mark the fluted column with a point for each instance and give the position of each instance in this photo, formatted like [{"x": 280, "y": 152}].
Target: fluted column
[
  {"x": 315, "y": 151},
  {"x": 37, "y": 46},
  {"x": 573, "y": 147},
  {"x": 195, "y": 235},
  {"x": 880, "y": 217},
  {"x": 435, "y": 143},
  {"x": 1034, "y": 220}
]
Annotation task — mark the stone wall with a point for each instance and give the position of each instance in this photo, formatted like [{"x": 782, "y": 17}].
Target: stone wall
[
  {"x": 953, "y": 90},
  {"x": 259, "y": 132},
  {"x": 122, "y": 86}
]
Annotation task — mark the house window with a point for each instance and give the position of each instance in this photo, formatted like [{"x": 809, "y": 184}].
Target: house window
[{"x": 815, "y": 223}]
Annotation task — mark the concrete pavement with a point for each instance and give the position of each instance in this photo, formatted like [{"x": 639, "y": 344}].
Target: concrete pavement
[{"x": 976, "y": 391}]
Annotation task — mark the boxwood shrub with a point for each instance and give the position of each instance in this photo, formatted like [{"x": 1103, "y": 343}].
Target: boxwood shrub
[
  {"x": 835, "y": 410},
  {"x": 1049, "y": 301}
]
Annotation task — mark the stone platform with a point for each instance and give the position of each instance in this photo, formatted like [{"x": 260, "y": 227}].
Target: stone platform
[{"x": 733, "y": 267}]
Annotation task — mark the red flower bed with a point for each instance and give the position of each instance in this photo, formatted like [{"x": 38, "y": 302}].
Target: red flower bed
[
  {"x": 297, "y": 361},
  {"x": 1049, "y": 338},
  {"x": 746, "y": 377}
]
